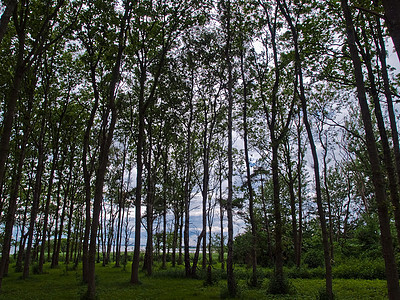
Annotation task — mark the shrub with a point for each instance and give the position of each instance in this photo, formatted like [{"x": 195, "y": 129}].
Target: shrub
[
  {"x": 170, "y": 273},
  {"x": 314, "y": 258},
  {"x": 280, "y": 285},
  {"x": 360, "y": 269},
  {"x": 323, "y": 295},
  {"x": 306, "y": 273}
]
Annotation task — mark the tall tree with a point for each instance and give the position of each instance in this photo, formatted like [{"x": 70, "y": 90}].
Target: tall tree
[
  {"x": 377, "y": 174},
  {"x": 300, "y": 90},
  {"x": 226, "y": 8},
  {"x": 106, "y": 136}
]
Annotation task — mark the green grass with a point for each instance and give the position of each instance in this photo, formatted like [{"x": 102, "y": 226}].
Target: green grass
[{"x": 113, "y": 283}]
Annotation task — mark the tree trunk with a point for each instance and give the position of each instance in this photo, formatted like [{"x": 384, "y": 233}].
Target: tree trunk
[
  {"x": 221, "y": 220},
  {"x": 196, "y": 254},
  {"x": 121, "y": 204},
  {"x": 47, "y": 205},
  {"x": 149, "y": 207},
  {"x": 188, "y": 178},
  {"x": 12, "y": 205},
  {"x": 253, "y": 224},
  {"x": 107, "y": 132},
  {"x": 138, "y": 196},
  {"x": 292, "y": 196},
  {"x": 387, "y": 154},
  {"x": 21, "y": 250},
  {"x": 324, "y": 146},
  {"x": 36, "y": 192},
  {"x": 299, "y": 194},
  {"x": 164, "y": 234},
  {"x": 231, "y": 282},
  {"x": 380, "y": 45},
  {"x": 392, "y": 13},
  {"x": 299, "y": 74},
  {"x": 377, "y": 174},
  {"x": 68, "y": 251}
]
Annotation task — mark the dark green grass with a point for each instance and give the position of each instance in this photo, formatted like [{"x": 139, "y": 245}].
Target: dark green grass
[{"x": 113, "y": 283}]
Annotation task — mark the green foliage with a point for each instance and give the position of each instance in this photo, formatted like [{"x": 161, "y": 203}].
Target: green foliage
[
  {"x": 314, "y": 258},
  {"x": 360, "y": 269},
  {"x": 304, "y": 272}
]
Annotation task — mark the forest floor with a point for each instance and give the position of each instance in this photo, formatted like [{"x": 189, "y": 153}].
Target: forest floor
[{"x": 113, "y": 283}]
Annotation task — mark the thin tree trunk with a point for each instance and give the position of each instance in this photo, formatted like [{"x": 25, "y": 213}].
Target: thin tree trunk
[
  {"x": 221, "y": 219},
  {"x": 138, "y": 196},
  {"x": 68, "y": 251},
  {"x": 292, "y": 196},
  {"x": 327, "y": 191},
  {"x": 36, "y": 192},
  {"x": 231, "y": 282},
  {"x": 149, "y": 207},
  {"x": 47, "y": 205},
  {"x": 164, "y": 234},
  {"x": 249, "y": 185},
  {"x": 188, "y": 178},
  {"x": 121, "y": 204},
  {"x": 299, "y": 194},
  {"x": 196, "y": 254}
]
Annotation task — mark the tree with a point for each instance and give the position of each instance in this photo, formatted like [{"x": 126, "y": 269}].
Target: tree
[
  {"x": 225, "y": 7},
  {"x": 301, "y": 93},
  {"x": 377, "y": 175}
]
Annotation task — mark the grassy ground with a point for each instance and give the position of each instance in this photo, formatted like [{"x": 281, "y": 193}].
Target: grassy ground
[{"x": 113, "y": 283}]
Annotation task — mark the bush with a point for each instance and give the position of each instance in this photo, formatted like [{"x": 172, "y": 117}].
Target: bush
[
  {"x": 170, "y": 273},
  {"x": 323, "y": 295},
  {"x": 305, "y": 273},
  {"x": 314, "y": 258},
  {"x": 280, "y": 285},
  {"x": 360, "y": 269}
]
